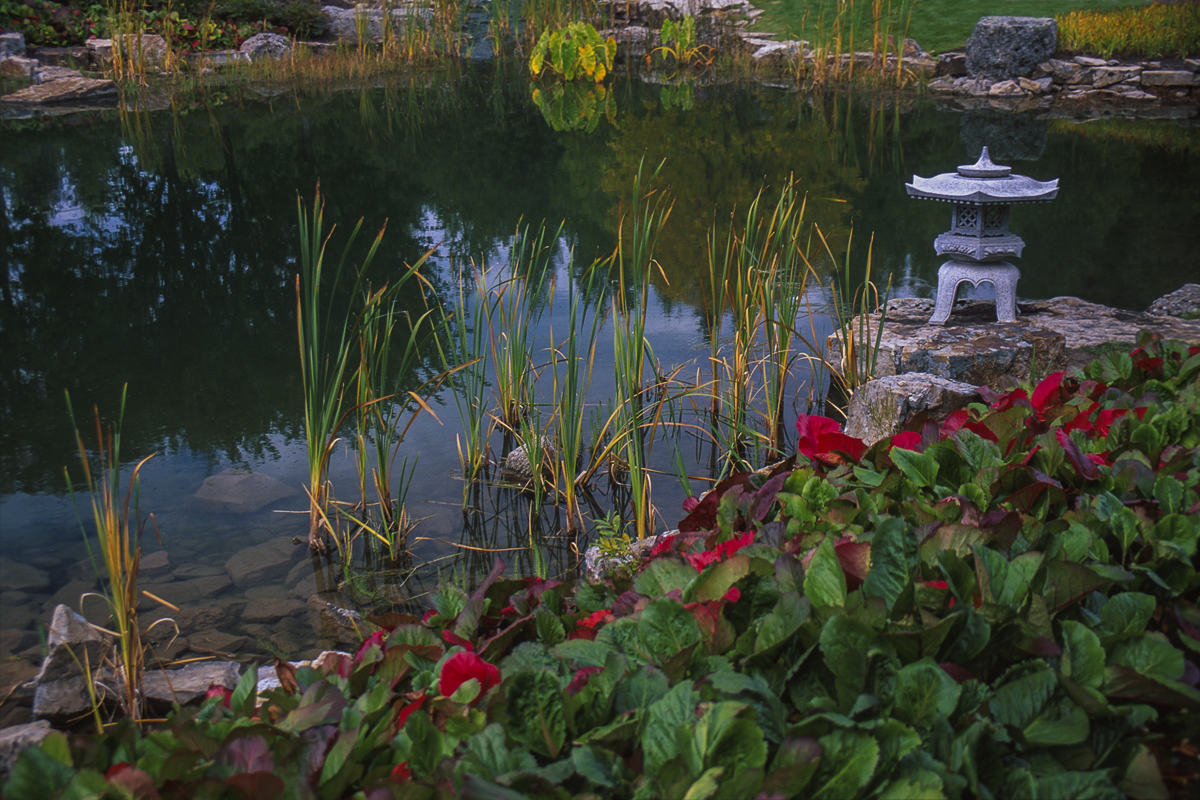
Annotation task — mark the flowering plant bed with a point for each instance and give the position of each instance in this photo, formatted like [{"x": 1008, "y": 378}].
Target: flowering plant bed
[{"x": 999, "y": 605}]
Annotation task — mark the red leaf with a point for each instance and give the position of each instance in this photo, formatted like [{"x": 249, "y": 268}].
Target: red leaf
[
  {"x": 581, "y": 679},
  {"x": 461, "y": 667},
  {"x": 1047, "y": 392},
  {"x": 855, "y": 560},
  {"x": 911, "y": 440},
  {"x": 1082, "y": 464}
]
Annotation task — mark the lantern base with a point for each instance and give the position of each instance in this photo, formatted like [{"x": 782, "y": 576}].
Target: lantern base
[{"x": 1003, "y": 276}]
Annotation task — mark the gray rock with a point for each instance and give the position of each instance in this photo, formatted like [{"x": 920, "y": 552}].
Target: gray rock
[
  {"x": 517, "y": 467},
  {"x": 242, "y": 491},
  {"x": 71, "y": 643},
  {"x": 1107, "y": 76},
  {"x": 1039, "y": 86},
  {"x": 61, "y": 701},
  {"x": 186, "y": 620},
  {"x": 1088, "y": 61},
  {"x": 266, "y": 45},
  {"x": 336, "y": 623},
  {"x": 189, "y": 683},
  {"x": 271, "y": 610},
  {"x": 952, "y": 64},
  {"x": 1004, "y": 48},
  {"x": 63, "y": 91},
  {"x": 596, "y": 566},
  {"x": 1169, "y": 77},
  {"x": 264, "y": 562},
  {"x": 148, "y": 48},
  {"x": 154, "y": 564},
  {"x": 1067, "y": 73},
  {"x": 18, "y": 577},
  {"x": 217, "y": 641},
  {"x": 12, "y": 44},
  {"x": 15, "y": 739},
  {"x": 1184, "y": 300},
  {"x": 1005, "y": 89},
  {"x": 183, "y": 593},
  {"x": 883, "y": 406}
]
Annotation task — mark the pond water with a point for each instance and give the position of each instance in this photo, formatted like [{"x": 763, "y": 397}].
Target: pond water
[{"x": 159, "y": 251}]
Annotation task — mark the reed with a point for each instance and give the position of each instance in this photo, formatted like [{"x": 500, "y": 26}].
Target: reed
[
  {"x": 326, "y": 334},
  {"x": 119, "y": 529},
  {"x": 462, "y": 346},
  {"x": 647, "y": 214}
]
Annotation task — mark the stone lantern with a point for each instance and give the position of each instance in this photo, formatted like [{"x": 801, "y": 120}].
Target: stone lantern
[{"x": 978, "y": 240}]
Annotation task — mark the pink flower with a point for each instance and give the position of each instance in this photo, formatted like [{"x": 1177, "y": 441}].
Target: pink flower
[{"x": 461, "y": 667}]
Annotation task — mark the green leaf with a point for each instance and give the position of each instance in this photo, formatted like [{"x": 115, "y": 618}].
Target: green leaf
[
  {"x": 716, "y": 579},
  {"x": 1150, "y": 655},
  {"x": 584, "y": 653},
  {"x": 794, "y": 766},
  {"x": 923, "y": 692},
  {"x": 640, "y": 689},
  {"x": 1170, "y": 494},
  {"x": 666, "y": 629},
  {"x": 917, "y": 467},
  {"x": 489, "y": 755},
  {"x": 38, "y": 774},
  {"x": 600, "y": 766},
  {"x": 674, "y": 711},
  {"x": 1083, "y": 655},
  {"x": 893, "y": 553},
  {"x": 1067, "y": 582},
  {"x": 663, "y": 576},
  {"x": 1126, "y": 614},
  {"x": 922, "y": 785},
  {"x": 724, "y": 737},
  {"x": 824, "y": 582},
  {"x": 790, "y": 612},
  {"x": 848, "y": 760},
  {"x": 549, "y": 627},
  {"x": 535, "y": 712}
]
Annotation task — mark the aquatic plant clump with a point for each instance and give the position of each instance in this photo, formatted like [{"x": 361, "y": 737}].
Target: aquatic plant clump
[{"x": 1000, "y": 605}]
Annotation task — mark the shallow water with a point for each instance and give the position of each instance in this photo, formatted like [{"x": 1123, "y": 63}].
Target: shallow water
[{"x": 159, "y": 251}]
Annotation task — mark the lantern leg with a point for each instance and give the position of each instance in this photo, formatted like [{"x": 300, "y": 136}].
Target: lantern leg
[{"x": 1003, "y": 276}]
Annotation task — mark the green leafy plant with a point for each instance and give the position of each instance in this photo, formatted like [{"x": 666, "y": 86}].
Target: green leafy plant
[
  {"x": 1002, "y": 604},
  {"x": 575, "y": 50},
  {"x": 679, "y": 43}
]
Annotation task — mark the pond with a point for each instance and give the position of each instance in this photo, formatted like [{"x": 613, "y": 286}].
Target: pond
[{"x": 159, "y": 251}]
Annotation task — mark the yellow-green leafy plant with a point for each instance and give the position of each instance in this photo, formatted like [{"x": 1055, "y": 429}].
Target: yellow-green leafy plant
[
  {"x": 679, "y": 43},
  {"x": 575, "y": 51},
  {"x": 574, "y": 106}
]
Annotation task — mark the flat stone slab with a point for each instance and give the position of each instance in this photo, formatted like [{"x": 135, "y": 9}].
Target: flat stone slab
[
  {"x": 16, "y": 576},
  {"x": 189, "y": 683},
  {"x": 64, "y": 90},
  {"x": 263, "y": 563},
  {"x": 971, "y": 348},
  {"x": 16, "y": 738},
  {"x": 1089, "y": 324},
  {"x": 242, "y": 491}
]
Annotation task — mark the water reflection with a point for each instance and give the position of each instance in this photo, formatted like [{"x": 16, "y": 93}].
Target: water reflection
[{"x": 159, "y": 251}]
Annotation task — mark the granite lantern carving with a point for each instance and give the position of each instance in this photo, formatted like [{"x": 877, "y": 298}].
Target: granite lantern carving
[{"x": 979, "y": 240}]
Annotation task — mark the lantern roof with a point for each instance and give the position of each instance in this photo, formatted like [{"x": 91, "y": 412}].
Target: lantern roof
[{"x": 982, "y": 182}]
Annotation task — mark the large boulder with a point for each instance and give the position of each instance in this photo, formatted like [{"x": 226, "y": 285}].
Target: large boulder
[
  {"x": 346, "y": 23},
  {"x": 266, "y": 45},
  {"x": 1006, "y": 48},
  {"x": 882, "y": 407}
]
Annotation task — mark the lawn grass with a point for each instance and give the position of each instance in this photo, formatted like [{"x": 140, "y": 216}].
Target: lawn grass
[{"x": 936, "y": 25}]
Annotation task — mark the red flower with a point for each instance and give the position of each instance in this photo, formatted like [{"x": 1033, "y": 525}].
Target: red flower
[
  {"x": 822, "y": 440},
  {"x": 401, "y": 772},
  {"x": 595, "y": 618},
  {"x": 461, "y": 667},
  {"x": 217, "y": 690},
  {"x": 581, "y": 679}
]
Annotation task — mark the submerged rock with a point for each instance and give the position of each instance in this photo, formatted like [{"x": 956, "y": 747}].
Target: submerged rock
[
  {"x": 242, "y": 491},
  {"x": 264, "y": 562},
  {"x": 16, "y": 576},
  {"x": 189, "y": 683}
]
